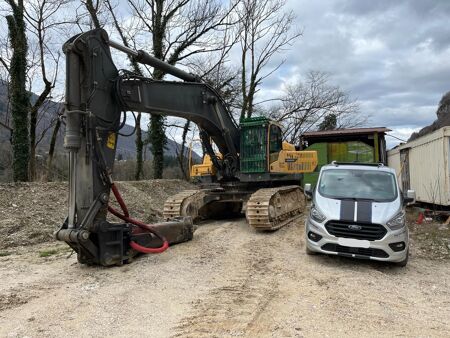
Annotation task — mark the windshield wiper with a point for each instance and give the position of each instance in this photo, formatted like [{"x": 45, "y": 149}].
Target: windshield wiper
[{"x": 356, "y": 199}]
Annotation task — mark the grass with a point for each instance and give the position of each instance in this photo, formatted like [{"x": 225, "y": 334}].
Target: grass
[
  {"x": 5, "y": 253},
  {"x": 54, "y": 251},
  {"x": 48, "y": 253}
]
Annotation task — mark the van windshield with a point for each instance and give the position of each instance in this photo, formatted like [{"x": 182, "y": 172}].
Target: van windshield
[{"x": 358, "y": 184}]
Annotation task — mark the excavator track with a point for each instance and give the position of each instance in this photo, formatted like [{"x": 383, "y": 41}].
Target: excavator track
[
  {"x": 185, "y": 203},
  {"x": 272, "y": 208}
]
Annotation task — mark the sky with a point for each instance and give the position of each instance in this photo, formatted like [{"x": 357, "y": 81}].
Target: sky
[{"x": 392, "y": 56}]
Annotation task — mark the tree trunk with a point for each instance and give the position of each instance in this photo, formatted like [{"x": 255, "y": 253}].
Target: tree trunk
[
  {"x": 33, "y": 125},
  {"x": 157, "y": 131},
  {"x": 158, "y": 141},
  {"x": 19, "y": 95},
  {"x": 93, "y": 13},
  {"x": 250, "y": 103},
  {"x": 185, "y": 170},
  {"x": 32, "y": 162},
  {"x": 137, "y": 70},
  {"x": 139, "y": 146},
  {"x": 51, "y": 150}
]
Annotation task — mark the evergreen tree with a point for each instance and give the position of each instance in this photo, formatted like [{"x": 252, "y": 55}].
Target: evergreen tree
[
  {"x": 19, "y": 95},
  {"x": 329, "y": 122}
]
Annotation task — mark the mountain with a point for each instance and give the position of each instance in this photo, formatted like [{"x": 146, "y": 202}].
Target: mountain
[{"x": 126, "y": 148}]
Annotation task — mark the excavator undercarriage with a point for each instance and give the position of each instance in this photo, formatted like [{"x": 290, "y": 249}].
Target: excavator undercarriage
[{"x": 265, "y": 209}]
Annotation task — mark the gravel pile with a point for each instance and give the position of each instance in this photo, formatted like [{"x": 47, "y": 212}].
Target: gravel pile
[{"x": 30, "y": 212}]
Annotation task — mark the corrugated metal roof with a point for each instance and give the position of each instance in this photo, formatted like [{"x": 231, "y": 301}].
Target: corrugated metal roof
[{"x": 352, "y": 131}]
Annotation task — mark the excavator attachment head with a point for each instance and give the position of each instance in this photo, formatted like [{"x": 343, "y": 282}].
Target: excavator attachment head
[{"x": 110, "y": 243}]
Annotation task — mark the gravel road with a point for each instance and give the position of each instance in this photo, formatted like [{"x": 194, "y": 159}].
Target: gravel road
[{"x": 229, "y": 281}]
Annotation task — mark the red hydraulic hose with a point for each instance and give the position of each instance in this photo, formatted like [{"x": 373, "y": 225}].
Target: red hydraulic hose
[
  {"x": 120, "y": 200},
  {"x": 126, "y": 217}
]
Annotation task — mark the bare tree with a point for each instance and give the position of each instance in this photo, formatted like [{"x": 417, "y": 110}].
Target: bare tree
[
  {"x": 93, "y": 8},
  {"x": 306, "y": 103},
  {"x": 174, "y": 31},
  {"x": 5, "y": 61},
  {"x": 5, "y": 83},
  {"x": 213, "y": 70},
  {"x": 217, "y": 72},
  {"x": 52, "y": 147},
  {"x": 43, "y": 18},
  {"x": 265, "y": 30},
  {"x": 138, "y": 70},
  {"x": 178, "y": 30}
]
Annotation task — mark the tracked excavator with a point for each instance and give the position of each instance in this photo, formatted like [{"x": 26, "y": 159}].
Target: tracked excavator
[{"x": 254, "y": 171}]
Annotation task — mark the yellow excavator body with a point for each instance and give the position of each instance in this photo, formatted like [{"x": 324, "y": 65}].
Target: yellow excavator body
[
  {"x": 206, "y": 168},
  {"x": 291, "y": 161}
]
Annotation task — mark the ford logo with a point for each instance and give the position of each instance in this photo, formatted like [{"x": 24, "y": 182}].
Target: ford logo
[{"x": 354, "y": 227}]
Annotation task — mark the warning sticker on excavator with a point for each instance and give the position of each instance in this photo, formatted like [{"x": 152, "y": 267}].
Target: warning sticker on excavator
[{"x": 111, "y": 141}]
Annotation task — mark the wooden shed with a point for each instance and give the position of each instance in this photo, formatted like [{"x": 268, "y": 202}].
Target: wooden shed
[{"x": 360, "y": 145}]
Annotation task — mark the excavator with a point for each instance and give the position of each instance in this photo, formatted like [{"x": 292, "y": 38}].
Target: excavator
[{"x": 253, "y": 171}]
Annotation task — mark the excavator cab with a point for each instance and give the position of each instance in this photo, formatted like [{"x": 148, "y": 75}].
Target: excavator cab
[{"x": 263, "y": 152}]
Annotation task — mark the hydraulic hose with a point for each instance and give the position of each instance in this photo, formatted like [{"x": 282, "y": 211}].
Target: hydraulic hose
[{"x": 126, "y": 217}]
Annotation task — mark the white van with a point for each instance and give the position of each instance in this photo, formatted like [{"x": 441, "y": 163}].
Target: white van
[{"x": 357, "y": 210}]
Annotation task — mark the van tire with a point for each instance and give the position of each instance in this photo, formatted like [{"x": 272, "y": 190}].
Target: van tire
[{"x": 404, "y": 262}]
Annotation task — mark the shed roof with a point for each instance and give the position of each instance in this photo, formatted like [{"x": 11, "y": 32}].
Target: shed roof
[{"x": 342, "y": 132}]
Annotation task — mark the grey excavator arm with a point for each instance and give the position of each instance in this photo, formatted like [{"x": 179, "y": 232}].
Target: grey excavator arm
[{"x": 96, "y": 95}]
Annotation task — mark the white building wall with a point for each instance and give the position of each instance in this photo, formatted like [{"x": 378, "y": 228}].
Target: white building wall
[
  {"x": 393, "y": 157},
  {"x": 428, "y": 166}
]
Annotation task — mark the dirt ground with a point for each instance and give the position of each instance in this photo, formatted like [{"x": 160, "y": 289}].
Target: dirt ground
[{"x": 229, "y": 281}]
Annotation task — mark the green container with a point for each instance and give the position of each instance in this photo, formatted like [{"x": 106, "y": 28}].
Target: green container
[
  {"x": 360, "y": 152},
  {"x": 322, "y": 159},
  {"x": 351, "y": 151},
  {"x": 253, "y": 154}
]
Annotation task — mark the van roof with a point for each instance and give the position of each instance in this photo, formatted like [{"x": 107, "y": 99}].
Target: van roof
[{"x": 358, "y": 166}]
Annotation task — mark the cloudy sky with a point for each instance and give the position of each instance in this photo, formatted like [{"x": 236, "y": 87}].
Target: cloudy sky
[{"x": 393, "y": 56}]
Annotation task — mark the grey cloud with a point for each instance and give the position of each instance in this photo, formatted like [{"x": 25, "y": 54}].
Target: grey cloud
[{"x": 394, "y": 56}]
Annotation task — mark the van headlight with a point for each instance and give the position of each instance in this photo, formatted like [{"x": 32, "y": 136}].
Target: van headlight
[
  {"x": 397, "y": 222},
  {"x": 317, "y": 215}
]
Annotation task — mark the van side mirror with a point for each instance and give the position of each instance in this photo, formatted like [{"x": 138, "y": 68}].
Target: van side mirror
[
  {"x": 409, "y": 197},
  {"x": 308, "y": 190}
]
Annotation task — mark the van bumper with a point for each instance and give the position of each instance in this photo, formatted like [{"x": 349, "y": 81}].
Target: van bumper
[{"x": 319, "y": 240}]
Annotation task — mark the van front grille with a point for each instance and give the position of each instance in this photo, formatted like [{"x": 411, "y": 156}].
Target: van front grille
[
  {"x": 367, "y": 231},
  {"x": 347, "y": 251}
]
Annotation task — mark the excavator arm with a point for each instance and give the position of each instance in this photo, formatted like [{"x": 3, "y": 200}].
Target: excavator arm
[
  {"x": 96, "y": 95},
  {"x": 196, "y": 102}
]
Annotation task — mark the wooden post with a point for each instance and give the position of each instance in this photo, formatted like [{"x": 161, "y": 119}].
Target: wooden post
[{"x": 376, "y": 145}]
